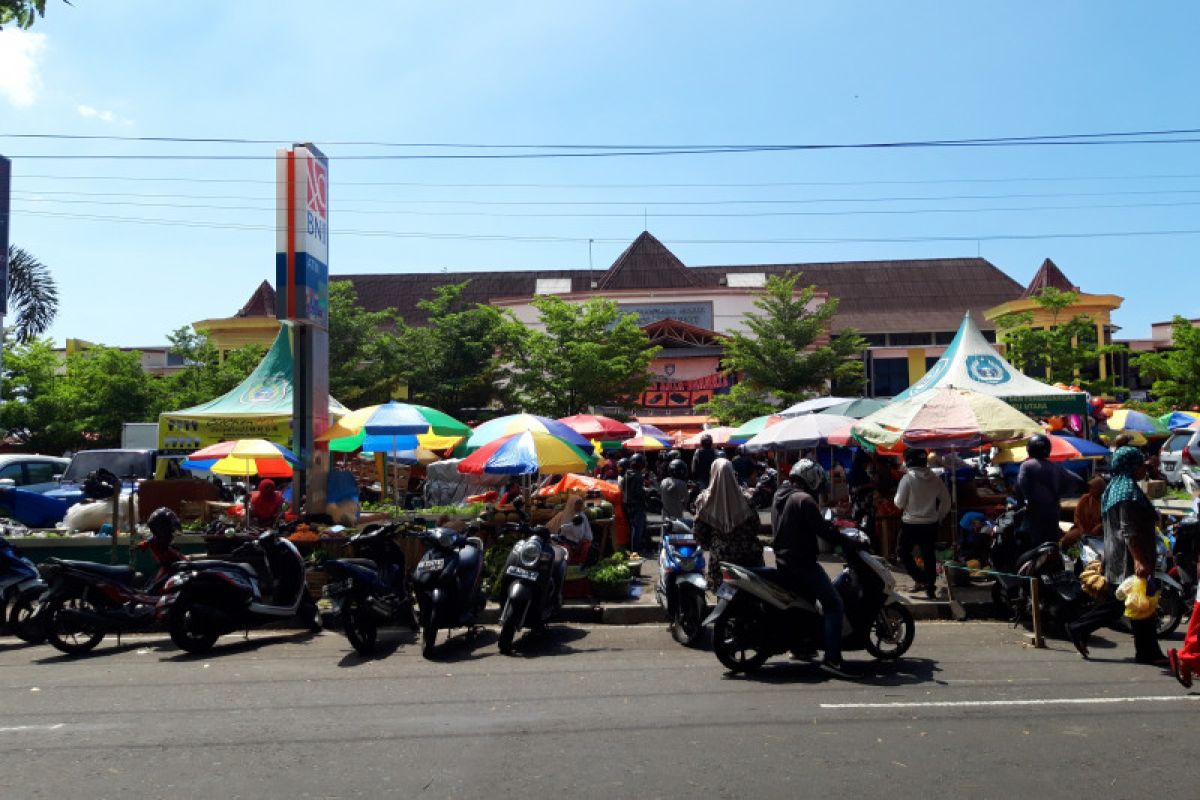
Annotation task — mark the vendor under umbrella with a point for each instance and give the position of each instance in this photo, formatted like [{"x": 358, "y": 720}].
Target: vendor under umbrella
[{"x": 266, "y": 504}]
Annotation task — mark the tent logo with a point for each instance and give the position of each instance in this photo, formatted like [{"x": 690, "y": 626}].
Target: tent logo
[
  {"x": 987, "y": 369},
  {"x": 267, "y": 390}
]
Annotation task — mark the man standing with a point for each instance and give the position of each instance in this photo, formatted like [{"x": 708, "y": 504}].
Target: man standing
[
  {"x": 702, "y": 463},
  {"x": 633, "y": 495},
  {"x": 925, "y": 502},
  {"x": 1040, "y": 484}
]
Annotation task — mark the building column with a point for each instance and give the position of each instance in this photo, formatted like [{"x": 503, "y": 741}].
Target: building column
[
  {"x": 1100, "y": 343},
  {"x": 916, "y": 364}
]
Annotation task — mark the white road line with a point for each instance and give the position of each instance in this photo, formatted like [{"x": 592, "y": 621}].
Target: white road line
[
  {"x": 1040, "y": 702},
  {"x": 17, "y": 728}
]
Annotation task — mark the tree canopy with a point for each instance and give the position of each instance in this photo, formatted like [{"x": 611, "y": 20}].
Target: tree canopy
[
  {"x": 364, "y": 350},
  {"x": 21, "y": 12},
  {"x": 783, "y": 358},
  {"x": 1175, "y": 372},
  {"x": 32, "y": 294}
]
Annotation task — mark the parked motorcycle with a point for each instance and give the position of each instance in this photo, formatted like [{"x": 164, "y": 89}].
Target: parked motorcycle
[
  {"x": 681, "y": 586},
  {"x": 448, "y": 582},
  {"x": 371, "y": 590},
  {"x": 532, "y": 582},
  {"x": 757, "y": 616},
  {"x": 1173, "y": 599},
  {"x": 20, "y": 587},
  {"x": 261, "y": 582}
]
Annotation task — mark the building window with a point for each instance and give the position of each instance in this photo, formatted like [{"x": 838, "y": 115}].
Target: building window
[
  {"x": 875, "y": 339},
  {"x": 943, "y": 337},
  {"x": 552, "y": 286},
  {"x": 989, "y": 336},
  {"x": 909, "y": 339},
  {"x": 746, "y": 280},
  {"x": 175, "y": 359},
  {"x": 889, "y": 376}
]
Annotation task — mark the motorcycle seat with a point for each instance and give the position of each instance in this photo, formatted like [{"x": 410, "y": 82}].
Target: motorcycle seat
[
  {"x": 366, "y": 563},
  {"x": 117, "y": 573},
  {"x": 212, "y": 563}
]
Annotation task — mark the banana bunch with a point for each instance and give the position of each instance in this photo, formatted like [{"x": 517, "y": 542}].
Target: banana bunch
[{"x": 1093, "y": 580}]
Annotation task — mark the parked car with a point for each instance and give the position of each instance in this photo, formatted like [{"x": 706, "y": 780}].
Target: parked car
[
  {"x": 128, "y": 465},
  {"x": 1179, "y": 453},
  {"x": 33, "y": 473}
]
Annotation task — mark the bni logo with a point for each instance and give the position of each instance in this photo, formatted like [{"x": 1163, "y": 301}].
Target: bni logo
[{"x": 318, "y": 188}]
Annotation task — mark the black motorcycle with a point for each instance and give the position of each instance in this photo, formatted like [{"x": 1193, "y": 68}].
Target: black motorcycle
[
  {"x": 1018, "y": 563},
  {"x": 532, "y": 582},
  {"x": 372, "y": 589},
  {"x": 448, "y": 583},
  {"x": 260, "y": 582}
]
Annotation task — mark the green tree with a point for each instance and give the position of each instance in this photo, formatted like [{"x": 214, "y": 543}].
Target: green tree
[
  {"x": 589, "y": 354},
  {"x": 1175, "y": 372},
  {"x": 455, "y": 361},
  {"x": 1067, "y": 351},
  {"x": 783, "y": 357},
  {"x": 364, "y": 349},
  {"x": 34, "y": 410},
  {"x": 22, "y": 12},
  {"x": 32, "y": 294},
  {"x": 205, "y": 374}
]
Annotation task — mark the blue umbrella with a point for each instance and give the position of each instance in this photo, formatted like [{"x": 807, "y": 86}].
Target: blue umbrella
[
  {"x": 1086, "y": 448},
  {"x": 396, "y": 419}
]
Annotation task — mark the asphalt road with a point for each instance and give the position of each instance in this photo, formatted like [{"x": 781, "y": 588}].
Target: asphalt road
[{"x": 601, "y": 711}]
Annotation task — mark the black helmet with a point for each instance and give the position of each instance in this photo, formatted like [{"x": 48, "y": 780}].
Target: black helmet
[
  {"x": 706, "y": 441},
  {"x": 916, "y": 457},
  {"x": 674, "y": 455},
  {"x": 677, "y": 469},
  {"x": 163, "y": 522},
  {"x": 1038, "y": 446},
  {"x": 637, "y": 461},
  {"x": 622, "y": 463}
]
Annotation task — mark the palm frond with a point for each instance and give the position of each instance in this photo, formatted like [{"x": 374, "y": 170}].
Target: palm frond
[{"x": 32, "y": 294}]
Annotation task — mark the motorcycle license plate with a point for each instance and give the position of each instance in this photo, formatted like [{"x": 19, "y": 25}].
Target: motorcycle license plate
[
  {"x": 726, "y": 591},
  {"x": 521, "y": 572},
  {"x": 337, "y": 587},
  {"x": 431, "y": 564}
]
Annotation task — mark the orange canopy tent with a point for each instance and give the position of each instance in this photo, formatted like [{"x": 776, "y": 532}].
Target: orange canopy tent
[{"x": 609, "y": 491}]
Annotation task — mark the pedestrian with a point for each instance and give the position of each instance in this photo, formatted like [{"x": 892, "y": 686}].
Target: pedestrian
[
  {"x": 674, "y": 490},
  {"x": 1129, "y": 549},
  {"x": 633, "y": 496},
  {"x": 725, "y": 523},
  {"x": 1186, "y": 660},
  {"x": 743, "y": 466},
  {"x": 1040, "y": 483},
  {"x": 1087, "y": 520},
  {"x": 607, "y": 469},
  {"x": 703, "y": 460},
  {"x": 924, "y": 501}
]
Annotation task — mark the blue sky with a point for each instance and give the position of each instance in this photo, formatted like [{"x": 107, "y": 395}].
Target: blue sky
[{"x": 597, "y": 73}]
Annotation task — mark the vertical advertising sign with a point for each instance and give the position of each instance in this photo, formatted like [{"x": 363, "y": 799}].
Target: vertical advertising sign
[
  {"x": 5, "y": 181},
  {"x": 302, "y": 278},
  {"x": 302, "y": 235}
]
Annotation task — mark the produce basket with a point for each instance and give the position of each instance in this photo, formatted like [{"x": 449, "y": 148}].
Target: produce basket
[{"x": 614, "y": 590}]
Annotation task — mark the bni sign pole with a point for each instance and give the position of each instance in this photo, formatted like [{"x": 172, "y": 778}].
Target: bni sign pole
[
  {"x": 5, "y": 205},
  {"x": 302, "y": 300}
]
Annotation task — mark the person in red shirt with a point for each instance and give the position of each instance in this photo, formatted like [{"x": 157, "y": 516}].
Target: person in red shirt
[{"x": 266, "y": 504}]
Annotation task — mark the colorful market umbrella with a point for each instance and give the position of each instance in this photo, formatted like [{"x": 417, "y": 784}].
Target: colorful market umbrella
[
  {"x": 593, "y": 426},
  {"x": 525, "y": 453},
  {"x": 1179, "y": 419},
  {"x": 1126, "y": 420},
  {"x": 720, "y": 436},
  {"x": 945, "y": 418},
  {"x": 496, "y": 428},
  {"x": 751, "y": 428},
  {"x": 370, "y": 444},
  {"x": 813, "y": 406},
  {"x": 244, "y": 457},
  {"x": 807, "y": 430},
  {"x": 642, "y": 429},
  {"x": 645, "y": 443},
  {"x": 857, "y": 408},
  {"x": 396, "y": 419},
  {"x": 1062, "y": 448}
]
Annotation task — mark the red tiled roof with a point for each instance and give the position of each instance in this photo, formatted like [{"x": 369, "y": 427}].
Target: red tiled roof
[
  {"x": 647, "y": 264},
  {"x": 1048, "y": 276},
  {"x": 261, "y": 303}
]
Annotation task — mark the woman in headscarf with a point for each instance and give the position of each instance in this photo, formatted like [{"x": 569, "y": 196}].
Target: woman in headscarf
[
  {"x": 725, "y": 523},
  {"x": 1129, "y": 520},
  {"x": 265, "y": 504},
  {"x": 577, "y": 534}
]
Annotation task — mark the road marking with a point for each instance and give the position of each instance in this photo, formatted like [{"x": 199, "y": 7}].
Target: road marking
[
  {"x": 17, "y": 728},
  {"x": 1041, "y": 702}
]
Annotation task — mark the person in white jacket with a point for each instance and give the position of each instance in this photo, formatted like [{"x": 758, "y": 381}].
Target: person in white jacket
[{"x": 925, "y": 502}]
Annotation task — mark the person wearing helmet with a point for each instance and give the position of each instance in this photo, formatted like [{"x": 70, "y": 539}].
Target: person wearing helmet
[
  {"x": 924, "y": 501},
  {"x": 797, "y": 523},
  {"x": 633, "y": 496},
  {"x": 703, "y": 460},
  {"x": 163, "y": 524},
  {"x": 743, "y": 466},
  {"x": 1040, "y": 484},
  {"x": 674, "y": 490}
]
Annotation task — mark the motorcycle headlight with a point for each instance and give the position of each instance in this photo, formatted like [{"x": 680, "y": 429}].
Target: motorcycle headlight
[
  {"x": 444, "y": 537},
  {"x": 529, "y": 552}
]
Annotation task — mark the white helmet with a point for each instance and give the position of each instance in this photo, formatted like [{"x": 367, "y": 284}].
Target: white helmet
[{"x": 809, "y": 474}]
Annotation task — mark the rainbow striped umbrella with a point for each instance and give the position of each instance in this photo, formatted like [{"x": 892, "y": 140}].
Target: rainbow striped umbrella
[
  {"x": 492, "y": 430},
  {"x": 1126, "y": 420},
  {"x": 525, "y": 453}
]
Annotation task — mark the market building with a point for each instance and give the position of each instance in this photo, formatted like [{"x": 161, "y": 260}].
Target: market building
[{"x": 908, "y": 310}]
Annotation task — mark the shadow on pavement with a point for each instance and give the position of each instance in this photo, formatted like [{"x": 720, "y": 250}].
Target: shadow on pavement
[
  {"x": 902, "y": 672},
  {"x": 104, "y": 649},
  {"x": 226, "y": 645},
  {"x": 387, "y": 644},
  {"x": 552, "y": 640}
]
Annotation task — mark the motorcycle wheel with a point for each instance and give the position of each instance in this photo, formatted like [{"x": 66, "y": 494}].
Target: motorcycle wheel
[
  {"x": 72, "y": 639},
  {"x": 891, "y": 633},
  {"x": 188, "y": 631},
  {"x": 310, "y": 615},
  {"x": 689, "y": 628},
  {"x": 21, "y": 621},
  {"x": 734, "y": 643},
  {"x": 1170, "y": 611},
  {"x": 360, "y": 627},
  {"x": 508, "y": 631},
  {"x": 429, "y": 634}
]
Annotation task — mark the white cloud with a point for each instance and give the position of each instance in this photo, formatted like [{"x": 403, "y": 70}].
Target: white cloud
[
  {"x": 90, "y": 112},
  {"x": 20, "y": 59}
]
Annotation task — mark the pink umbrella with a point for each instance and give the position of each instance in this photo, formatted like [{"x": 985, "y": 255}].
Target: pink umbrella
[{"x": 720, "y": 436}]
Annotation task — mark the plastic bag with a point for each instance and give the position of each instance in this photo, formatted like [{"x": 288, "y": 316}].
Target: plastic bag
[{"x": 1138, "y": 604}]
